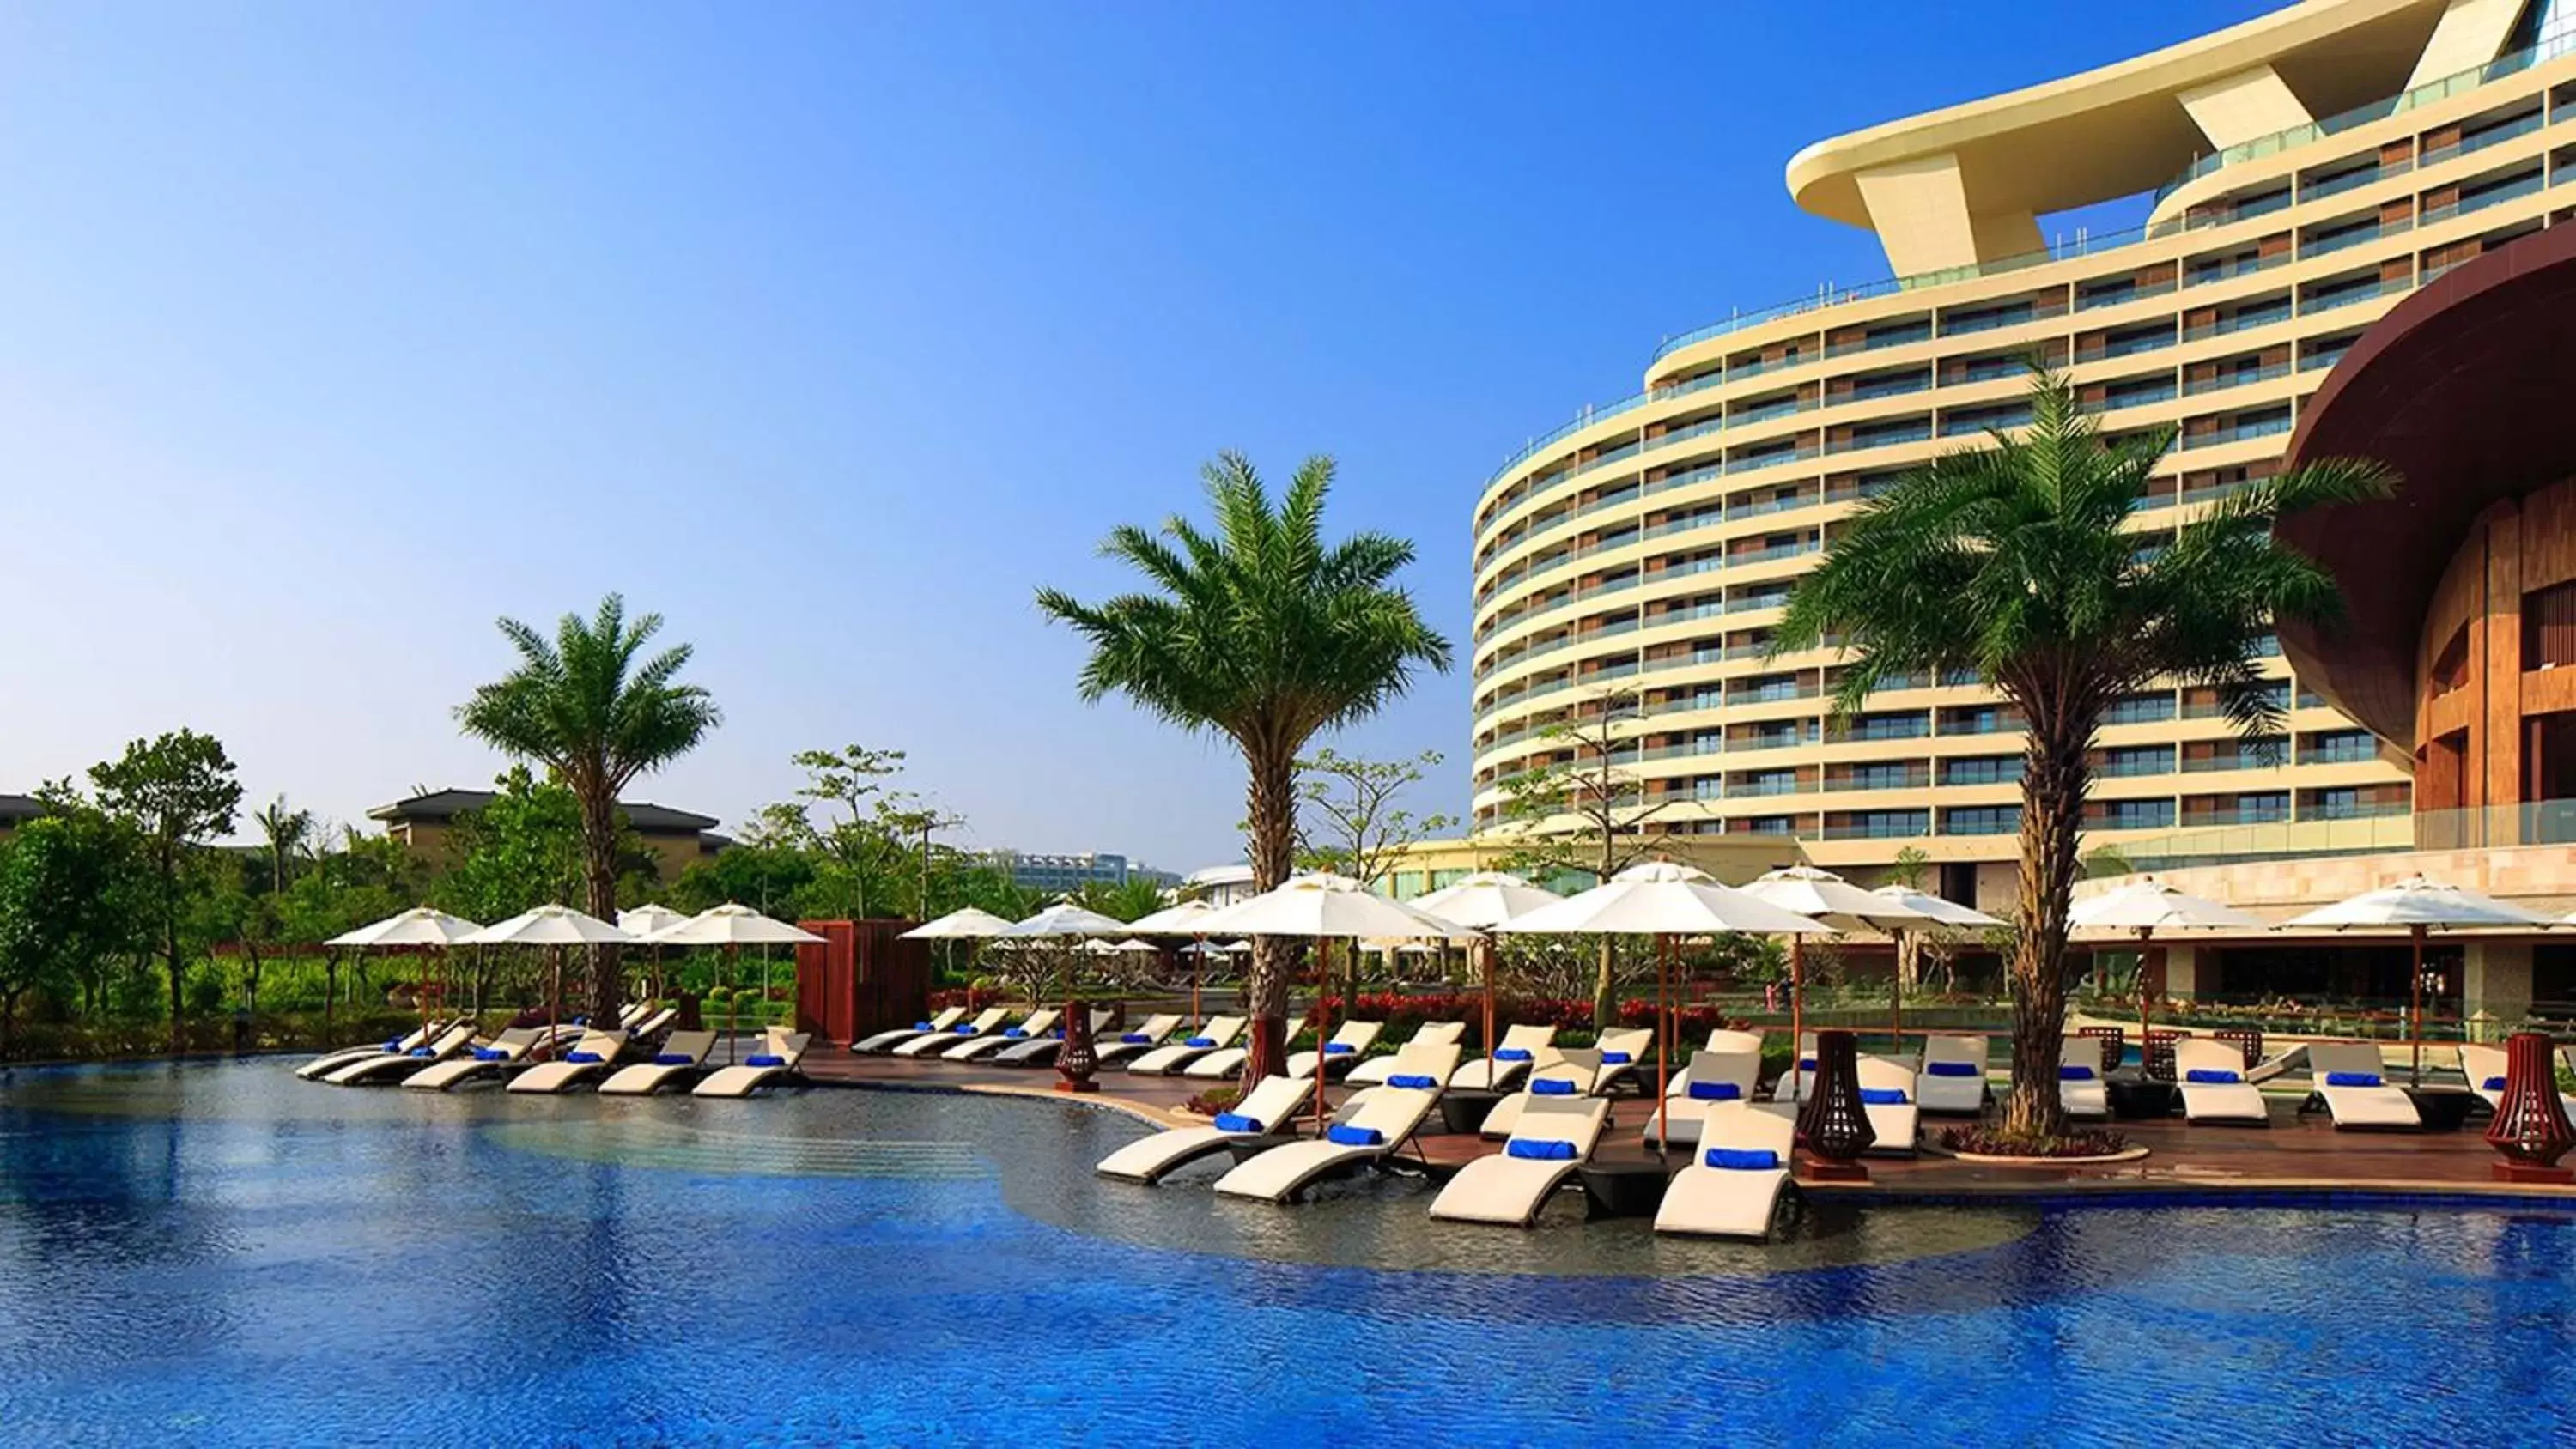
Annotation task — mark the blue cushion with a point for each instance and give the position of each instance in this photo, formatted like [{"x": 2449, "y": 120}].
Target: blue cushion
[
  {"x": 963, "y": 1028},
  {"x": 1137, "y": 1038},
  {"x": 2075, "y": 1074},
  {"x": 1338, "y": 1048},
  {"x": 584, "y": 1057},
  {"x": 1511, "y": 1054},
  {"x": 1237, "y": 1122},
  {"x": 763, "y": 1059},
  {"x": 1743, "y": 1159},
  {"x": 581, "y": 1021},
  {"x": 393, "y": 1043},
  {"x": 1954, "y": 1069},
  {"x": 1882, "y": 1096},
  {"x": 1056, "y": 1035},
  {"x": 1015, "y": 1032},
  {"x": 420, "y": 1052},
  {"x": 2219, "y": 1076},
  {"x": 1806, "y": 1064},
  {"x": 1716, "y": 1092},
  {"x": 674, "y": 1059},
  {"x": 1200, "y": 1041},
  {"x": 1412, "y": 1080},
  {"x": 1552, "y": 1087},
  {"x": 1616, "y": 1059},
  {"x": 1543, "y": 1151},
  {"x": 2352, "y": 1079},
  {"x": 1349, "y": 1136},
  {"x": 490, "y": 1054},
  {"x": 923, "y": 1026},
  {"x": 2495, "y": 1084}
]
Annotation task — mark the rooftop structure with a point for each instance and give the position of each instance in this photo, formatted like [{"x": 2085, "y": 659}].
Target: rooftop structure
[{"x": 676, "y": 837}]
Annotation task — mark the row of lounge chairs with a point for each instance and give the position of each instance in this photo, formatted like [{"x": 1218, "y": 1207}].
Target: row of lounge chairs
[{"x": 550, "y": 1060}]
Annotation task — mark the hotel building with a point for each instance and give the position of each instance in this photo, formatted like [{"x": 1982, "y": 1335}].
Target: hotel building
[{"x": 2309, "y": 169}]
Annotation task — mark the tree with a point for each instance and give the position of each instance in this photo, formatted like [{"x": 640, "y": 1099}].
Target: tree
[
  {"x": 881, "y": 842},
  {"x": 589, "y": 707},
  {"x": 1123, "y": 901},
  {"x": 70, "y": 885},
  {"x": 286, "y": 832},
  {"x": 1266, "y": 634},
  {"x": 1350, "y": 818},
  {"x": 1587, "y": 812},
  {"x": 2015, "y": 563},
  {"x": 178, "y": 792}
]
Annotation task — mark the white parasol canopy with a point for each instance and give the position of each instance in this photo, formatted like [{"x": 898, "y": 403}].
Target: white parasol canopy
[
  {"x": 734, "y": 925},
  {"x": 1064, "y": 918},
  {"x": 419, "y": 926},
  {"x": 1937, "y": 910},
  {"x": 1321, "y": 904},
  {"x": 1660, "y": 898},
  {"x": 2417, "y": 901},
  {"x": 969, "y": 924},
  {"x": 550, "y": 926},
  {"x": 1821, "y": 893},
  {"x": 645, "y": 920},
  {"x": 1181, "y": 920},
  {"x": 2151, "y": 905},
  {"x": 1486, "y": 899}
]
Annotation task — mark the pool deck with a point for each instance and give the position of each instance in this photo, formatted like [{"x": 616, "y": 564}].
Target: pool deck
[{"x": 2294, "y": 1155}]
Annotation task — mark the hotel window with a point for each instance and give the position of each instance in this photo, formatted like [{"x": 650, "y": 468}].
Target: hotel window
[
  {"x": 1981, "y": 820},
  {"x": 2137, "y": 760},
  {"x": 1983, "y": 770},
  {"x": 2132, "y": 815},
  {"x": 2549, "y": 627}
]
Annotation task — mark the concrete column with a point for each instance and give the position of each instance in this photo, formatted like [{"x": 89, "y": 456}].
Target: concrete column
[
  {"x": 2496, "y": 979},
  {"x": 2182, "y": 972}
]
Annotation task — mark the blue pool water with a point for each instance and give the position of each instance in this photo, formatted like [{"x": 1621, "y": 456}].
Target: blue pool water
[{"x": 218, "y": 1254}]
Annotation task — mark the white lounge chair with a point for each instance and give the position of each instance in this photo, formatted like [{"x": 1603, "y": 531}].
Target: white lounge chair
[
  {"x": 653, "y": 1023},
  {"x": 1216, "y": 1035},
  {"x": 886, "y": 1041},
  {"x": 1716, "y": 1077},
  {"x": 1040, "y": 1049},
  {"x": 483, "y": 1059},
  {"x": 1623, "y": 1058},
  {"x": 2351, "y": 1079},
  {"x": 1510, "y": 1062},
  {"x": 1148, "y": 1035},
  {"x": 590, "y": 1057},
  {"x": 1561, "y": 1072},
  {"x": 1733, "y": 1190},
  {"x": 2080, "y": 1087},
  {"x": 1792, "y": 1086},
  {"x": 1953, "y": 1078},
  {"x": 1554, "y": 1136},
  {"x": 331, "y": 1061},
  {"x": 386, "y": 1068},
  {"x": 1351, "y": 1041},
  {"x": 1431, "y": 1033},
  {"x": 1887, "y": 1099},
  {"x": 784, "y": 1050},
  {"x": 984, "y": 1024},
  {"x": 2211, "y": 1077},
  {"x": 1272, "y": 1106},
  {"x": 680, "y": 1058},
  {"x": 1372, "y": 1125},
  {"x": 1036, "y": 1024}
]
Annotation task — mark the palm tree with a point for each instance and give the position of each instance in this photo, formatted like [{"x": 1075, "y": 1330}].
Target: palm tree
[
  {"x": 1265, "y": 634},
  {"x": 2013, "y": 563},
  {"x": 286, "y": 831},
  {"x": 582, "y": 706}
]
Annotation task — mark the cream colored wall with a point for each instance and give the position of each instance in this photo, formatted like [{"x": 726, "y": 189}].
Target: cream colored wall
[
  {"x": 2469, "y": 34},
  {"x": 2243, "y": 106}
]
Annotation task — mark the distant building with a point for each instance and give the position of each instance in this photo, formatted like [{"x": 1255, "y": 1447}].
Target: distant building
[
  {"x": 17, "y": 810},
  {"x": 425, "y": 823},
  {"x": 1218, "y": 885},
  {"x": 1061, "y": 874}
]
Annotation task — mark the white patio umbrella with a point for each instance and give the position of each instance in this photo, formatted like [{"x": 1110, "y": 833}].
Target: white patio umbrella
[
  {"x": 554, "y": 927},
  {"x": 1065, "y": 921},
  {"x": 1482, "y": 902},
  {"x": 1824, "y": 896},
  {"x": 643, "y": 921},
  {"x": 2147, "y": 906},
  {"x": 1324, "y": 907},
  {"x": 1664, "y": 900},
  {"x": 969, "y": 923},
  {"x": 2420, "y": 906},
  {"x": 419, "y": 926},
  {"x": 1934, "y": 911},
  {"x": 733, "y": 927},
  {"x": 1186, "y": 919}
]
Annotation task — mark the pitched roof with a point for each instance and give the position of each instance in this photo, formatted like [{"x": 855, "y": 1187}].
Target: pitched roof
[
  {"x": 20, "y": 807},
  {"x": 448, "y": 804}
]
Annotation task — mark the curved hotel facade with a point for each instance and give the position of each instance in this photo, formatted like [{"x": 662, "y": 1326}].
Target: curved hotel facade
[{"x": 2310, "y": 168}]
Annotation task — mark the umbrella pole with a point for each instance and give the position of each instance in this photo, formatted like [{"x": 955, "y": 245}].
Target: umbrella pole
[
  {"x": 1323, "y": 1014},
  {"x": 554, "y": 991},
  {"x": 1797, "y": 1013},
  {"x": 1896, "y": 988},
  {"x": 2143, "y": 933},
  {"x": 1489, "y": 1001},
  {"x": 2415, "y": 986},
  {"x": 1198, "y": 963},
  {"x": 733, "y": 1010},
  {"x": 1664, "y": 1045}
]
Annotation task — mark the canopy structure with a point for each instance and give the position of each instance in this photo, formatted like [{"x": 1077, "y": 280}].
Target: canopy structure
[
  {"x": 969, "y": 924},
  {"x": 2419, "y": 906},
  {"x": 2147, "y": 906},
  {"x": 733, "y": 927},
  {"x": 644, "y": 920},
  {"x": 1824, "y": 896},
  {"x": 1484, "y": 901},
  {"x": 421, "y": 926},
  {"x": 1184, "y": 919},
  {"x": 1938, "y": 910},
  {"x": 1064, "y": 919},
  {"x": 553, "y": 926}
]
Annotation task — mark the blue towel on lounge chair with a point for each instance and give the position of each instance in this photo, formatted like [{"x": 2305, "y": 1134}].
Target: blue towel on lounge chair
[
  {"x": 1882, "y": 1096},
  {"x": 1338, "y": 1048},
  {"x": 2352, "y": 1079},
  {"x": 1543, "y": 1151},
  {"x": 2213, "y": 1076},
  {"x": 1552, "y": 1087},
  {"x": 1015, "y": 1033},
  {"x": 1349, "y": 1136},
  {"x": 393, "y": 1044},
  {"x": 923, "y": 1026},
  {"x": 2075, "y": 1074},
  {"x": 490, "y": 1054},
  {"x": 2494, "y": 1084},
  {"x": 764, "y": 1059},
  {"x": 1413, "y": 1081},
  {"x": 674, "y": 1059},
  {"x": 1953, "y": 1069},
  {"x": 1806, "y": 1064},
  {"x": 963, "y": 1028},
  {"x": 585, "y": 1058},
  {"x": 420, "y": 1052},
  {"x": 1616, "y": 1059},
  {"x": 1743, "y": 1159},
  {"x": 1137, "y": 1038},
  {"x": 1512, "y": 1054},
  {"x": 1056, "y": 1035},
  {"x": 1716, "y": 1092},
  {"x": 1237, "y": 1122},
  {"x": 1200, "y": 1041}
]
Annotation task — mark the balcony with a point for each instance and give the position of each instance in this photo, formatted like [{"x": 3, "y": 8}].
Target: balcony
[
  {"x": 1881, "y": 437},
  {"x": 2115, "y": 295},
  {"x": 1750, "y": 602},
  {"x": 2129, "y": 346},
  {"x": 1769, "y": 552},
  {"x": 2347, "y": 296},
  {"x": 1894, "y": 777},
  {"x": 2478, "y": 141},
  {"x": 2239, "y": 432},
  {"x": 1781, "y": 503},
  {"x": 1884, "y": 825},
  {"x": 1885, "y": 337},
  {"x": 2319, "y": 246},
  {"x": 2238, "y": 322},
  {"x": 1765, "y": 412},
  {"x": 2228, "y": 270},
  {"x": 2354, "y": 180},
  {"x": 2238, "y": 377},
  {"x": 1751, "y": 461},
  {"x": 2480, "y": 200}
]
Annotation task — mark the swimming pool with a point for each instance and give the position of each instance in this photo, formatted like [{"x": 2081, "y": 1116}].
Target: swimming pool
[{"x": 214, "y": 1253}]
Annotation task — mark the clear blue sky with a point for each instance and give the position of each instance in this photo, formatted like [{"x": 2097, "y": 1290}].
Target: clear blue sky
[{"x": 330, "y": 332}]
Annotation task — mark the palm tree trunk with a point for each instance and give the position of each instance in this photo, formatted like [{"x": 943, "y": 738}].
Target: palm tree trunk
[
  {"x": 599, "y": 872},
  {"x": 1271, "y": 811},
  {"x": 2055, "y": 774}
]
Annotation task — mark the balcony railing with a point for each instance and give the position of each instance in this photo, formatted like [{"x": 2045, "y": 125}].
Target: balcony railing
[
  {"x": 2261, "y": 428},
  {"x": 2327, "y": 302},
  {"x": 2240, "y": 377}
]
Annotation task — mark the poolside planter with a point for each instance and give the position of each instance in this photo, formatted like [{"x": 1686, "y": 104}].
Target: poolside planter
[
  {"x": 2530, "y": 1130},
  {"x": 1075, "y": 1061},
  {"x": 1833, "y": 1124}
]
